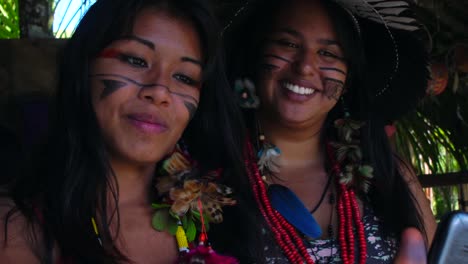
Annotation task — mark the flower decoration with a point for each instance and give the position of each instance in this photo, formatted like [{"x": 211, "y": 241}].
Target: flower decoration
[
  {"x": 181, "y": 190},
  {"x": 348, "y": 153}
]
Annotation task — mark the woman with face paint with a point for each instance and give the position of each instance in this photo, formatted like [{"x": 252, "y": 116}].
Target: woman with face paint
[
  {"x": 141, "y": 82},
  {"x": 324, "y": 185}
]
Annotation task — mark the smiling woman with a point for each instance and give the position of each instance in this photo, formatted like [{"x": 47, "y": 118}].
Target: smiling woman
[
  {"x": 323, "y": 184},
  {"x": 146, "y": 86},
  {"x": 142, "y": 104}
]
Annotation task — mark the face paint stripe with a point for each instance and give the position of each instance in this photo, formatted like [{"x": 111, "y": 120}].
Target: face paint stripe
[
  {"x": 332, "y": 69},
  {"x": 114, "y": 85},
  {"x": 334, "y": 80},
  {"x": 109, "y": 53},
  {"x": 186, "y": 96},
  {"x": 191, "y": 108},
  {"x": 141, "y": 85},
  {"x": 110, "y": 86}
]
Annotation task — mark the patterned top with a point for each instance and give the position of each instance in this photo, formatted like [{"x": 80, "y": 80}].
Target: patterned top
[{"x": 381, "y": 249}]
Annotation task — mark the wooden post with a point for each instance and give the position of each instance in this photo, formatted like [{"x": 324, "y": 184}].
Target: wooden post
[
  {"x": 463, "y": 191},
  {"x": 34, "y": 18}
]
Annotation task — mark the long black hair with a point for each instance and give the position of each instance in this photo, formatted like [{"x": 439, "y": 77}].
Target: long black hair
[
  {"x": 390, "y": 196},
  {"x": 71, "y": 179}
]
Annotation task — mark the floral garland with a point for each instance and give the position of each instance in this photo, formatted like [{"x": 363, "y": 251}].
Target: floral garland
[
  {"x": 348, "y": 153},
  {"x": 188, "y": 203}
]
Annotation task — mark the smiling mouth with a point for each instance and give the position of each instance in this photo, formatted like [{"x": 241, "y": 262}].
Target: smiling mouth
[
  {"x": 148, "y": 123},
  {"x": 298, "y": 89}
]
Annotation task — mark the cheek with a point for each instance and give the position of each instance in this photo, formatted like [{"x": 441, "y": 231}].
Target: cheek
[
  {"x": 183, "y": 109},
  {"x": 105, "y": 113}
]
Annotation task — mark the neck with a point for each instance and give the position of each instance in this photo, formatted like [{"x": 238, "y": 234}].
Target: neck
[
  {"x": 300, "y": 145},
  {"x": 134, "y": 183}
]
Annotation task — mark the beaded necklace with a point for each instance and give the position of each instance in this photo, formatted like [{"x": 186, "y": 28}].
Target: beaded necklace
[{"x": 286, "y": 235}]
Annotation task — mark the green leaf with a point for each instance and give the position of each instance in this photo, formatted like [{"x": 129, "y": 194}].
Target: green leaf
[
  {"x": 184, "y": 220},
  {"x": 366, "y": 170},
  {"x": 161, "y": 219},
  {"x": 191, "y": 230},
  {"x": 195, "y": 215},
  {"x": 160, "y": 206},
  {"x": 172, "y": 226},
  {"x": 174, "y": 215}
]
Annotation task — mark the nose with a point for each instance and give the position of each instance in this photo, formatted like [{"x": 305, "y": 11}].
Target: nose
[
  {"x": 158, "y": 92},
  {"x": 305, "y": 63}
]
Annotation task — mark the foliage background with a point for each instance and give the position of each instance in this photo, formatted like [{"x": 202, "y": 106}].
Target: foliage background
[{"x": 9, "y": 19}]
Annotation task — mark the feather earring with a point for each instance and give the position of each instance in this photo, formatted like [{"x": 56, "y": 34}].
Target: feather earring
[
  {"x": 267, "y": 155},
  {"x": 268, "y": 158}
]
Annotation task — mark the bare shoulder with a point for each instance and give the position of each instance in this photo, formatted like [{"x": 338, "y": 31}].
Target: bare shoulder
[{"x": 15, "y": 246}]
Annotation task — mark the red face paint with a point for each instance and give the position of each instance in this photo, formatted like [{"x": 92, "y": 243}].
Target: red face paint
[{"x": 109, "y": 53}]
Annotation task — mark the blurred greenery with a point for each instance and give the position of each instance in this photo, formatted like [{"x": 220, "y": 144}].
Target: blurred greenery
[
  {"x": 9, "y": 19},
  {"x": 434, "y": 139}
]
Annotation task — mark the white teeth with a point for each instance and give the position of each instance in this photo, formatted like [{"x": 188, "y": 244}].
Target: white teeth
[{"x": 298, "y": 89}]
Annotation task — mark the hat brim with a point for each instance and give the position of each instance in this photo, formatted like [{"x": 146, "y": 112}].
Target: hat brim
[{"x": 397, "y": 70}]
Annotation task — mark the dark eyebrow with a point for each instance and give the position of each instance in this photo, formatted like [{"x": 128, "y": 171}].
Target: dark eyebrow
[
  {"x": 145, "y": 42},
  {"x": 329, "y": 42},
  {"x": 296, "y": 34},
  {"x": 192, "y": 60},
  {"x": 289, "y": 31}
]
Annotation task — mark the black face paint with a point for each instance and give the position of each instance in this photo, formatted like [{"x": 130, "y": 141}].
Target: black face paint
[
  {"x": 140, "y": 85},
  {"x": 276, "y": 57},
  {"x": 332, "y": 69},
  {"x": 269, "y": 67},
  {"x": 191, "y": 108},
  {"x": 333, "y": 88},
  {"x": 110, "y": 86}
]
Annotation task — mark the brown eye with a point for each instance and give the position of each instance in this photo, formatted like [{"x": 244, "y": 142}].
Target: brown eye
[
  {"x": 329, "y": 54},
  {"x": 134, "y": 61},
  {"x": 185, "y": 79},
  {"x": 268, "y": 66},
  {"x": 286, "y": 43}
]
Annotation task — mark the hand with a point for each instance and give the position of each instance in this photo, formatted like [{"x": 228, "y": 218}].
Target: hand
[{"x": 412, "y": 248}]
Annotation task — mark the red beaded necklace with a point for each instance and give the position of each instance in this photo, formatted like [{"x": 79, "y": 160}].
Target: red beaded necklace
[{"x": 285, "y": 234}]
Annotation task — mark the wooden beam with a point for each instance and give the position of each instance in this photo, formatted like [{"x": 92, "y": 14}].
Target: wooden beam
[{"x": 444, "y": 179}]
